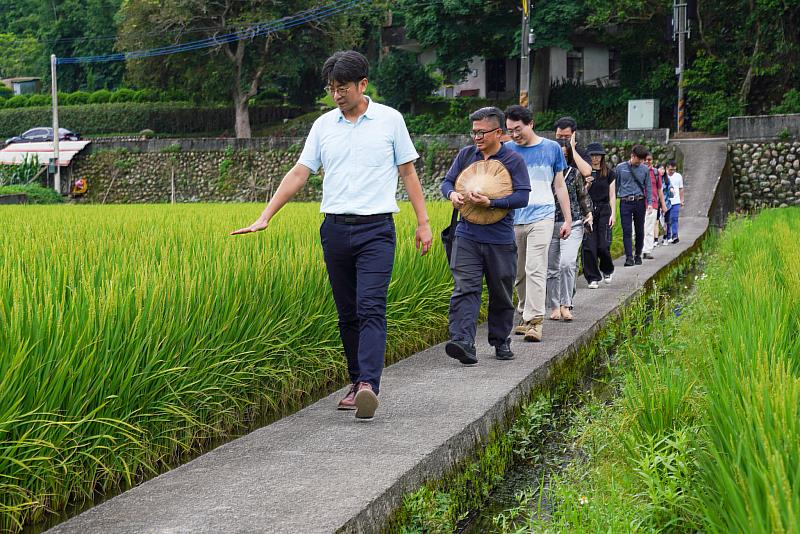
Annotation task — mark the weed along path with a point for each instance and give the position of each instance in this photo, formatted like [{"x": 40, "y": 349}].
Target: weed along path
[{"x": 319, "y": 471}]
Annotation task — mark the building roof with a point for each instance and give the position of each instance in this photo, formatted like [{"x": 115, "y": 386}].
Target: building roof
[
  {"x": 15, "y": 153},
  {"x": 21, "y": 79}
]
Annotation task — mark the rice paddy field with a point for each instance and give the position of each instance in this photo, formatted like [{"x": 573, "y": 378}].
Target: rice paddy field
[
  {"x": 705, "y": 433},
  {"x": 131, "y": 337}
]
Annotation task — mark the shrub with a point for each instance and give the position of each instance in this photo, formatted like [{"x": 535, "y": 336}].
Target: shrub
[
  {"x": 133, "y": 117},
  {"x": 77, "y": 98},
  {"x": 122, "y": 95},
  {"x": 710, "y": 111},
  {"x": 39, "y": 100},
  {"x": 146, "y": 95},
  {"x": 5, "y": 92},
  {"x": 790, "y": 103},
  {"x": 17, "y": 101},
  {"x": 100, "y": 97},
  {"x": 35, "y": 192}
]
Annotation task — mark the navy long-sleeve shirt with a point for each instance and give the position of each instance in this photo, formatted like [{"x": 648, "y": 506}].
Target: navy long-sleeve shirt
[{"x": 501, "y": 232}]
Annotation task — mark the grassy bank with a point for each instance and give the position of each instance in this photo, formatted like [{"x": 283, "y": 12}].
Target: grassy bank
[
  {"x": 704, "y": 434},
  {"x": 130, "y": 336}
]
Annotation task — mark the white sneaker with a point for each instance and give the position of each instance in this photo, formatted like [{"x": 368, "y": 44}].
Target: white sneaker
[
  {"x": 594, "y": 284},
  {"x": 607, "y": 278}
]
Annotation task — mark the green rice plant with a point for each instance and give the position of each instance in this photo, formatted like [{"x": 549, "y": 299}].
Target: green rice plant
[{"x": 131, "y": 337}]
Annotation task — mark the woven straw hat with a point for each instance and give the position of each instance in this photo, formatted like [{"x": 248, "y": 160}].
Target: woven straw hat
[{"x": 489, "y": 178}]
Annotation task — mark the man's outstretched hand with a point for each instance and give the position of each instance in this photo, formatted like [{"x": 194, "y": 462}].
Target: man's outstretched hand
[{"x": 255, "y": 227}]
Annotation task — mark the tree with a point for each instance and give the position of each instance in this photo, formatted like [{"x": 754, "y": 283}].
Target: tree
[
  {"x": 402, "y": 81},
  {"x": 21, "y": 56},
  {"x": 237, "y": 68},
  {"x": 459, "y": 30},
  {"x": 67, "y": 28}
]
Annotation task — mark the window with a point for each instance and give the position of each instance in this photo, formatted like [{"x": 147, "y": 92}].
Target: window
[
  {"x": 575, "y": 64},
  {"x": 614, "y": 65},
  {"x": 495, "y": 76}
]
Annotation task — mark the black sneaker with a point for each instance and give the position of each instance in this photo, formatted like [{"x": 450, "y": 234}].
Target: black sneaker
[
  {"x": 676, "y": 240},
  {"x": 503, "y": 352},
  {"x": 637, "y": 260},
  {"x": 648, "y": 256},
  {"x": 462, "y": 352},
  {"x": 629, "y": 262}
]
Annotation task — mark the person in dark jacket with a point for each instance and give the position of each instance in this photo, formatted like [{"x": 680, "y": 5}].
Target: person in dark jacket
[{"x": 484, "y": 250}]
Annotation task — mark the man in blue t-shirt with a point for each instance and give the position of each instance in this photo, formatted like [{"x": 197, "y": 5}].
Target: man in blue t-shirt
[
  {"x": 484, "y": 250},
  {"x": 533, "y": 224}
]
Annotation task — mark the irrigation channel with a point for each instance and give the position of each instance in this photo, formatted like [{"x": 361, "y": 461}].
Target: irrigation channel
[{"x": 545, "y": 436}]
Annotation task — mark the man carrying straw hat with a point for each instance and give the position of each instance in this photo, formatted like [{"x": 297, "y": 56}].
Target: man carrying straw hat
[{"x": 477, "y": 184}]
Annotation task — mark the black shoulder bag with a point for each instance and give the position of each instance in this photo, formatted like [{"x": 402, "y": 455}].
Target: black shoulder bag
[{"x": 448, "y": 234}]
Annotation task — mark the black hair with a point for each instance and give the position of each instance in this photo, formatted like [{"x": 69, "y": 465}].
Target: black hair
[
  {"x": 639, "y": 151},
  {"x": 566, "y": 122},
  {"x": 345, "y": 66},
  {"x": 489, "y": 112},
  {"x": 671, "y": 163},
  {"x": 519, "y": 113}
]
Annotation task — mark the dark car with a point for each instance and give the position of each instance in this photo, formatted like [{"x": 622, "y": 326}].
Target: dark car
[{"x": 38, "y": 135}]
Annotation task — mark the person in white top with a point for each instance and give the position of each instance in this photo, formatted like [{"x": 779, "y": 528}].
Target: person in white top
[
  {"x": 362, "y": 145},
  {"x": 677, "y": 200}
]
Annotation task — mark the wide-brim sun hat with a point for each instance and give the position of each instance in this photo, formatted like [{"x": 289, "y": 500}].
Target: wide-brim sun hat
[
  {"x": 595, "y": 149},
  {"x": 489, "y": 178}
]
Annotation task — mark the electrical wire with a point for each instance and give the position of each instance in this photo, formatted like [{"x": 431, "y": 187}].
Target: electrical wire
[{"x": 251, "y": 32}]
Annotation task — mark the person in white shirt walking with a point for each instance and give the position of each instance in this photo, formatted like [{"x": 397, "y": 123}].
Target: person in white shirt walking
[
  {"x": 362, "y": 145},
  {"x": 677, "y": 200}
]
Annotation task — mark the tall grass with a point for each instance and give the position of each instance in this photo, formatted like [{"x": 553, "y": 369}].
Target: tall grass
[
  {"x": 132, "y": 335},
  {"x": 705, "y": 436}
]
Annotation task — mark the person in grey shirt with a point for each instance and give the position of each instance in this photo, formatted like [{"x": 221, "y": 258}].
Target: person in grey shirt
[{"x": 633, "y": 190}]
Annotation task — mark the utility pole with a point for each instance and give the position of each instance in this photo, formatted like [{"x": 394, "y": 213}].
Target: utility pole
[
  {"x": 524, "y": 58},
  {"x": 681, "y": 29},
  {"x": 54, "y": 91}
]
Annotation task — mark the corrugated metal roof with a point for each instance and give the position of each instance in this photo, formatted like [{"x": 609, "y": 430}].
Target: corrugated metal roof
[{"x": 15, "y": 153}]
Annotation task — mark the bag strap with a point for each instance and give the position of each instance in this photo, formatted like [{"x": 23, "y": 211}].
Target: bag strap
[{"x": 453, "y": 222}]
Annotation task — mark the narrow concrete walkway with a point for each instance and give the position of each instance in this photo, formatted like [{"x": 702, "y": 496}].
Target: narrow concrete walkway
[{"x": 320, "y": 471}]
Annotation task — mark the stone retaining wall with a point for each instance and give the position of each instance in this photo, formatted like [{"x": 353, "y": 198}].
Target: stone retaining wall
[
  {"x": 234, "y": 174},
  {"x": 765, "y": 175}
]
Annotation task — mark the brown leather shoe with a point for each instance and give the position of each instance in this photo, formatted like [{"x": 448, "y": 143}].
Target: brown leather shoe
[
  {"x": 349, "y": 400},
  {"x": 366, "y": 401}
]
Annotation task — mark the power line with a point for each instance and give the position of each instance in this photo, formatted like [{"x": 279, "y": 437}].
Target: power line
[{"x": 251, "y": 32}]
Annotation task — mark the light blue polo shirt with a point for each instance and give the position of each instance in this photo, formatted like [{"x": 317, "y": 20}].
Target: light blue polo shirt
[{"x": 360, "y": 160}]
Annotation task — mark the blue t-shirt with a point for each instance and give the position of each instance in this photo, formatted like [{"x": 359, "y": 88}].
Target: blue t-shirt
[
  {"x": 543, "y": 161},
  {"x": 501, "y": 232}
]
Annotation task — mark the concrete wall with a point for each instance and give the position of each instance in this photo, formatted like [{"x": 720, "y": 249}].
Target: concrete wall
[
  {"x": 764, "y": 127},
  {"x": 476, "y": 79},
  {"x": 595, "y": 63},
  {"x": 558, "y": 64},
  {"x": 245, "y": 171}
]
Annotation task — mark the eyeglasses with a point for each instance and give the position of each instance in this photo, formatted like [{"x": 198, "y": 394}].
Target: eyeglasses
[
  {"x": 479, "y": 134},
  {"x": 342, "y": 90},
  {"x": 515, "y": 131}
]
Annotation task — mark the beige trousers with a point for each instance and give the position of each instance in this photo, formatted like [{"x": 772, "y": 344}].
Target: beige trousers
[
  {"x": 649, "y": 231},
  {"x": 533, "y": 244}
]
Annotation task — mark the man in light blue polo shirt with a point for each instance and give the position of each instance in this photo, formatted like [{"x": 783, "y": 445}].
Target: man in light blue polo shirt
[{"x": 361, "y": 145}]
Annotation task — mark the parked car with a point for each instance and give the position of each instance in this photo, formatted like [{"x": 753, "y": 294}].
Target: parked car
[{"x": 38, "y": 135}]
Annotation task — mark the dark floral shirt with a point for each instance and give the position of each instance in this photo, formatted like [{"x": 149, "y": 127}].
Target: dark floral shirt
[{"x": 579, "y": 202}]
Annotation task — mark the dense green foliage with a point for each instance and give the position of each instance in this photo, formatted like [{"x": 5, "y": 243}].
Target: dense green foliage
[
  {"x": 20, "y": 174},
  {"x": 132, "y": 335},
  {"x": 36, "y": 193},
  {"x": 173, "y": 118},
  {"x": 703, "y": 435},
  {"x": 402, "y": 81},
  {"x": 101, "y": 96}
]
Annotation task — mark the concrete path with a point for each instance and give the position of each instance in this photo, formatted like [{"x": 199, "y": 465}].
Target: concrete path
[{"x": 321, "y": 471}]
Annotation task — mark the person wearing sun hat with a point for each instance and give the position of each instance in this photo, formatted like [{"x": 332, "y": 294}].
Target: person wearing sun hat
[{"x": 597, "y": 261}]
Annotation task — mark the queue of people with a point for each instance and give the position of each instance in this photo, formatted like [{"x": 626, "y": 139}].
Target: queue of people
[{"x": 560, "y": 203}]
